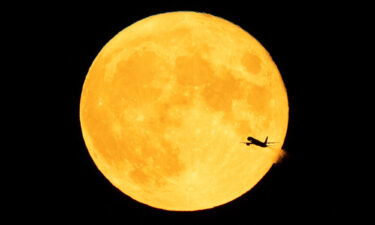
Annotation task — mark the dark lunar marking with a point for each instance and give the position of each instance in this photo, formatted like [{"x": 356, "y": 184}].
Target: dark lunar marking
[
  {"x": 252, "y": 63},
  {"x": 219, "y": 94}
]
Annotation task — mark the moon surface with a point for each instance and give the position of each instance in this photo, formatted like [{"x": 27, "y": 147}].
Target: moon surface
[{"x": 168, "y": 100}]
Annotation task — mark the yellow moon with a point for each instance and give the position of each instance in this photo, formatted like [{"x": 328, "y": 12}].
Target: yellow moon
[{"x": 168, "y": 100}]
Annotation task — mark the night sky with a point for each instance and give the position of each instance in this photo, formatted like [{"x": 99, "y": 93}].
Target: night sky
[{"x": 65, "y": 184}]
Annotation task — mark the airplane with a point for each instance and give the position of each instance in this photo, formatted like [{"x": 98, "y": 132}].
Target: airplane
[{"x": 254, "y": 141}]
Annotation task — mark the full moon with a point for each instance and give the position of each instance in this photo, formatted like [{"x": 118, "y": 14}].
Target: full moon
[{"x": 168, "y": 101}]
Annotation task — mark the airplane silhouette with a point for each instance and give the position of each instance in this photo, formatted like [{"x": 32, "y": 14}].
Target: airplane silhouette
[{"x": 254, "y": 141}]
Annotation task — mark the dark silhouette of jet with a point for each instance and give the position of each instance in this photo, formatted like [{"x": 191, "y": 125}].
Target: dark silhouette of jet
[{"x": 253, "y": 141}]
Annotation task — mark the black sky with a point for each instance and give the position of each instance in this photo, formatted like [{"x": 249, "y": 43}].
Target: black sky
[{"x": 305, "y": 43}]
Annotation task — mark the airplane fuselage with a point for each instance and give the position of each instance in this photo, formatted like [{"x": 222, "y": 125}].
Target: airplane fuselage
[{"x": 257, "y": 142}]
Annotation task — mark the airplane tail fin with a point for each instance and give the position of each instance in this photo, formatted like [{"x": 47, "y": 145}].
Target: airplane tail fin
[{"x": 266, "y": 140}]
